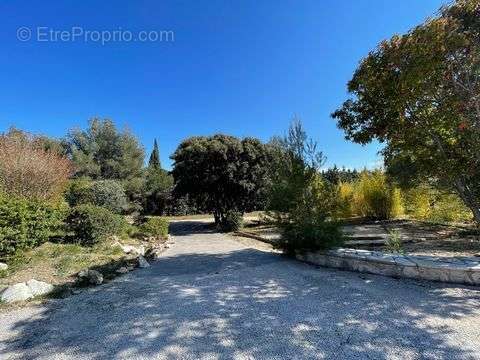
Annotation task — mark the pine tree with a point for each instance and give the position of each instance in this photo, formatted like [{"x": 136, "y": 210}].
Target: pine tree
[{"x": 154, "y": 162}]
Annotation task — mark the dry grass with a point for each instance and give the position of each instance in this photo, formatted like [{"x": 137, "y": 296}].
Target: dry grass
[{"x": 58, "y": 263}]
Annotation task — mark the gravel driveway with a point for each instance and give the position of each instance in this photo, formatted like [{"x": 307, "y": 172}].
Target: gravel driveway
[{"x": 213, "y": 297}]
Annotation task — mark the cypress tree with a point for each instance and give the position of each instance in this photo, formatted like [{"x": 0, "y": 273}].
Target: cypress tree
[{"x": 154, "y": 162}]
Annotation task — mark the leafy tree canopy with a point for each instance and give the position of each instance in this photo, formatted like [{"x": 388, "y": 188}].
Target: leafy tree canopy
[
  {"x": 103, "y": 152},
  {"x": 221, "y": 173},
  {"x": 419, "y": 93}
]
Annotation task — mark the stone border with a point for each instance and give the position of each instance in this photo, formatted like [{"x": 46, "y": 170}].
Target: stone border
[{"x": 461, "y": 270}]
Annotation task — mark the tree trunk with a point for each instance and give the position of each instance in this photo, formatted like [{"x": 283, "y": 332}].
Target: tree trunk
[
  {"x": 469, "y": 200},
  {"x": 463, "y": 191},
  {"x": 216, "y": 217}
]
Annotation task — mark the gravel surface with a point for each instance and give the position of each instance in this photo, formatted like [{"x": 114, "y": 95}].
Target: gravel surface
[{"x": 213, "y": 297}]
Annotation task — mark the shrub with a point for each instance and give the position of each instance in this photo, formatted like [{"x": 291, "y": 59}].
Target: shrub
[
  {"x": 449, "y": 208},
  {"x": 310, "y": 235},
  {"x": 394, "y": 242},
  {"x": 109, "y": 194},
  {"x": 426, "y": 203},
  {"x": 418, "y": 202},
  {"x": 233, "y": 221},
  {"x": 79, "y": 192},
  {"x": 345, "y": 199},
  {"x": 302, "y": 201},
  {"x": 92, "y": 224},
  {"x": 155, "y": 226},
  {"x": 27, "y": 223},
  {"x": 374, "y": 198},
  {"x": 309, "y": 225},
  {"x": 28, "y": 170}
]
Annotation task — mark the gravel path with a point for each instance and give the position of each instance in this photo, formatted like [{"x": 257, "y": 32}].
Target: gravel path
[{"x": 213, "y": 297}]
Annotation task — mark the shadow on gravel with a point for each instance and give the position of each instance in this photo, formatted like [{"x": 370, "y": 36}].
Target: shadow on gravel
[
  {"x": 247, "y": 304},
  {"x": 188, "y": 227}
]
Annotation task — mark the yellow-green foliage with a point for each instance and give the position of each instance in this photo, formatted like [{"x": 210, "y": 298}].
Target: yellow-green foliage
[
  {"x": 397, "y": 208},
  {"x": 370, "y": 196},
  {"x": 345, "y": 198},
  {"x": 426, "y": 203},
  {"x": 417, "y": 202}
]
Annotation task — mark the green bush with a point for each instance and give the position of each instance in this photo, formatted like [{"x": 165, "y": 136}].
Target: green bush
[
  {"x": 109, "y": 194},
  {"x": 155, "y": 226},
  {"x": 25, "y": 223},
  {"x": 309, "y": 225},
  {"x": 233, "y": 221},
  {"x": 79, "y": 192},
  {"x": 91, "y": 224},
  {"x": 310, "y": 235}
]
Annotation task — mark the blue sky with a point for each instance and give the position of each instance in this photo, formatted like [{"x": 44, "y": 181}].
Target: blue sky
[{"x": 237, "y": 67}]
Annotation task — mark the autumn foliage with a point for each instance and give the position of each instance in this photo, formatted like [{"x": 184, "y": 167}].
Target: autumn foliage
[{"x": 29, "y": 170}]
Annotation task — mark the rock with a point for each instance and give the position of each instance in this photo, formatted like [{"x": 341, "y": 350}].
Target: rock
[
  {"x": 122, "y": 270},
  {"x": 92, "y": 276},
  {"x": 130, "y": 249},
  {"x": 17, "y": 292},
  {"x": 3, "y": 266},
  {"x": 39, "y": 287},
  {"x": 142, "y": 263},
  {"x": 95, "y": 277},
  {"x": 154, "y": 253}
]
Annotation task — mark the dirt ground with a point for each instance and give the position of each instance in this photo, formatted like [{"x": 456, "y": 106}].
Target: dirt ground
[{"x": 418, "y": 238}]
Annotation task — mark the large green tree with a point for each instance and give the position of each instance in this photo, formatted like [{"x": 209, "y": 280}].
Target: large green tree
[
  {"x": 221, "y": 173},
  {"x": 419, "y": 94},
  {"x": 103, "y": 152}
]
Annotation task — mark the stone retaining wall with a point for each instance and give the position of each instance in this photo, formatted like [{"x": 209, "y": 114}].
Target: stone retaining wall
[{"x": 461, "y": 270}]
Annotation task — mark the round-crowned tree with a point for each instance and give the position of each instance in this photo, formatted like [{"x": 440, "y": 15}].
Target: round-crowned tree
[{"x": 221, "y": 173}]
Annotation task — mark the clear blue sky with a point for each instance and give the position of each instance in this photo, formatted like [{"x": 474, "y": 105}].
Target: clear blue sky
[{"x": 239, "y": 67}]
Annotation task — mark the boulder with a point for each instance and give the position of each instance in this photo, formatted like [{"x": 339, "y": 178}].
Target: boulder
[
  {"x": 122, "y": 270},
  {"x": 130, "y": 249},
  {"x": 142, "y": 263},
  {"x": 91, "y": 276},
  {"x": 39, "y": 287},
  {"x": 17, "y": 292},
  {"x": 3, "y": 266},
  {"x": 154, "y": 253}
]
